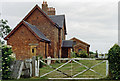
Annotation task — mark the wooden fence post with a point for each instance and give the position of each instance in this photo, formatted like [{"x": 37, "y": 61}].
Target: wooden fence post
[{"x": 33, "y": 66}]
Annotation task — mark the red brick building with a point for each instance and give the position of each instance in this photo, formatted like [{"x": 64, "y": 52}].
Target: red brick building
[
  {"x": 80, "y": 45},
  {"x": 41, "y": 32}
]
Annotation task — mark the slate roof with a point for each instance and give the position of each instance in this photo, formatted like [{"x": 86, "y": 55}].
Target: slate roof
[
  {"x": 74, "y": 39},
  {"x": 67, "y": 43},
  {"x": 37, "y": 31},
  {"x": 58, "y": 19}
]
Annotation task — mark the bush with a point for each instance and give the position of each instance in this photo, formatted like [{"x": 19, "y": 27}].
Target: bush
[
  {"x": 114, "y": 62},
  {"x": 83, "y": 54},
  {"x": 6, "y": 60},
  {"x": 73, "y": 54}
]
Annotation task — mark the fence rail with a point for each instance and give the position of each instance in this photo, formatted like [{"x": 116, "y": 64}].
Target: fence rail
[{"x": 73, "y": 59}]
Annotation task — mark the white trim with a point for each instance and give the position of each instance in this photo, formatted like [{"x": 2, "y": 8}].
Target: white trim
[
  {"x": 69, "y": 59},
  {"x": 73, "y": 78}
]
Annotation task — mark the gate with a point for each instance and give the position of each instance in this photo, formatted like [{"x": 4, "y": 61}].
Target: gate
[{"x": 73, "y": 68}]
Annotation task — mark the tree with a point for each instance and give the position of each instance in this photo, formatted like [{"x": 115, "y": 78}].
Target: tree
[
  {"x": 6, "y": 61},
  {"x": 114, "y": 62},
  {"x": 4, "y": 29}
]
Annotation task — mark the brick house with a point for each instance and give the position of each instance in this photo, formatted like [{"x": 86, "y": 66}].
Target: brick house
[
  {"x": 80, "y": 45},
  {"x": 40, "y": 33}
]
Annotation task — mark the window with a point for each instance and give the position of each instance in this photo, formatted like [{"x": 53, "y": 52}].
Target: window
[
  {"x": 74, "y": 42},
  {"x": 79, "y": 50},
  {"x": 32, "y": 50}
]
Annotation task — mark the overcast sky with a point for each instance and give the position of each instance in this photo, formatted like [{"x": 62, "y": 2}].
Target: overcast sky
[{"x": 92, "y": 21}]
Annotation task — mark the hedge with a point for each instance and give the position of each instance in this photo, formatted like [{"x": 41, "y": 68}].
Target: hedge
[
  {"x": 114, "y": 62},
  {"x": 6, "y": 59}
]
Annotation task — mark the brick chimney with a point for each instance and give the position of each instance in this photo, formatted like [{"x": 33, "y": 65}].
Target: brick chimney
[
  {"x": 51, "y": 11},
  {"x": 48, "y": 10},
  {"x": 45, "y": 6}
]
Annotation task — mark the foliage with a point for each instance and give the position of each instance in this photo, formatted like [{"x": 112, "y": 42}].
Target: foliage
[
  {"x": 6, "y": 60},
  {"x": 4, "y": 29},
  {"x": 92, "y": 54},
  {"x": 82, "y": 54},
  {"x": 57, "y": 61},
  {"x": 114, "y": 62},
  {"x": 73, "y": 54}
]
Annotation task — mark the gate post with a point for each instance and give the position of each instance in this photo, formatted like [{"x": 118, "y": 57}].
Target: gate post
[
  {"x": 38, "y": 64},
  {"x": 107, "y": 67},
  {"x": 33, "y": 66}
]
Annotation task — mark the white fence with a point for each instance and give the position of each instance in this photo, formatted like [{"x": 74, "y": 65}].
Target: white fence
[
  {"x": 31, "y": 68},
  {"x": 70, "y": 60}
]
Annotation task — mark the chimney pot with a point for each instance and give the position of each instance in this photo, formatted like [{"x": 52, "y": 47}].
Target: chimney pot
[{"x": 50, "y": 10}]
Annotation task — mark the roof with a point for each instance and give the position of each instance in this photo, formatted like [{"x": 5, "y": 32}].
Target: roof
[
  {"x": 67, "y": 43},
  {"x": 59, "y": 20},
  {"x": 82, "y": 45},
  {"x": 80, "y": 41},
  {"x": 37, "y": 31},
  {"x": 37, "y": 7}
]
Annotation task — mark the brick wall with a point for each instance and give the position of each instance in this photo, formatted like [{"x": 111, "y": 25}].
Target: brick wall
[
  {"x": 80, "y": 45},
  {"x": 47, "y": 28},
  {"x": 20, "y": 41}
]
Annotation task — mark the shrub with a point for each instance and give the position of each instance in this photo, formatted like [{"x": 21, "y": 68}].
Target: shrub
[
  {"x": 83, "y": 54},
  {"x": 114, "y": 62},
  {"x": 73, "y": 54},
  {"x": 6, "y": 60}
]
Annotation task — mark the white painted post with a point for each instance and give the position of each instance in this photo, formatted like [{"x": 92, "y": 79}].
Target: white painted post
[
  {"x": 104, "y": 55},
  {"x": 36, "y": 68},
  {"x": 98, "y": 55},
  {"x": 38, "y": 65},
  {"x": 20, "y": 70},
  {"x": 107, "y": 67},
  {"x": 49, "y": 60},
  {"x": 30, "y": 68}
]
